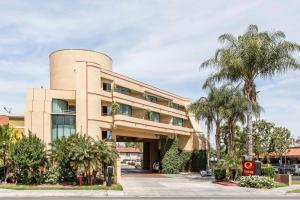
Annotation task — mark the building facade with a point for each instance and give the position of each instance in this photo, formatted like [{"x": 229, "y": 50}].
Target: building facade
[
  {"x": 86, "y": 96},
  {"x": 14, "y": 121}
]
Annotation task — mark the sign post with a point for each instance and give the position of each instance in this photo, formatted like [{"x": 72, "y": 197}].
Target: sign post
[{"x": 248, "y": 168}]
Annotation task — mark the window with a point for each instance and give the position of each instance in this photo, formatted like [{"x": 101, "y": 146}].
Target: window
[
  {"x": 151, "y": 98},
  {"x": 106, "y": 135},
  {"x": 59, "y": 106},
  {"x": 72, "y": 108},
  {"x": 154, "y": 116},
  {"x": 123, "y": 90},
  {"x": 106, "y": 110},
  {"x": 63, "y": 125},
  {"x": 176, "y": 106},
  {"x": 177, "y": 121},
  {"x": 106, "y": 87},
  {"x": 125, "y": 109}
]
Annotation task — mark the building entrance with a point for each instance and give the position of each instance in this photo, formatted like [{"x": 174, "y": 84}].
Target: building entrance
[{"x": 137, "y": 155}]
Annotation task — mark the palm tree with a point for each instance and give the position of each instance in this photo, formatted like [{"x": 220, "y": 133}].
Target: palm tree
[
  {"x": 106, "y": 154},
  {"x": 202, "y": 109},
  {"x": 249, "y": 56},
  {"x": 211, "y": 108}
]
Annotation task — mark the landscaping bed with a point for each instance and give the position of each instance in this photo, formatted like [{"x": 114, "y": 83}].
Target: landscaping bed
[{"x": 59, "y": 187}]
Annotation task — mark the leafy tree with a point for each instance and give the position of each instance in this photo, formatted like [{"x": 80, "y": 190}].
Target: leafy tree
[
  {"x": 138, "y": 145},
  {"x": 249, "y": 56},
  {"x": 262, "y": 135},
  {"x": 9, "y": 136},
  {"x": 281, "y": 140},
  {"x": 29, "y": 157},
  {"x": 59, "y": 155}
]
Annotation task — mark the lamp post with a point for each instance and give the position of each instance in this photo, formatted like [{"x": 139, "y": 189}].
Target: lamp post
[{"x": 4, "y": 160}]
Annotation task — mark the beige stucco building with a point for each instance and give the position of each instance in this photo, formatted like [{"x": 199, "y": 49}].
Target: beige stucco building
[{"x": 83, "y": 89}]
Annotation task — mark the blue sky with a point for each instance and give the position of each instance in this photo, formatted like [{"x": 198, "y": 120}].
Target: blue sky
[{"x": 158, "y": 42}]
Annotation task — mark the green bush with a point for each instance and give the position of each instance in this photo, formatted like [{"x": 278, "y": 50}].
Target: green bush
[
  {"x": 171, "y": 162},
  {"x": 198, "y": 160},
  {"x": 184, "y": 159},
  {"x": 220, "y": 174},
  {"x": 256, "y": 182},
  {"x": 52, "y": 176},
  {"x": 268, "y": 170},
  {"x": 29, "y": 158}
]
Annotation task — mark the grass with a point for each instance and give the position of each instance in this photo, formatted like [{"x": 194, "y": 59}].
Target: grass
[
  {"x": 296, "y": 182},
  {"x": 278, "y": 184},
  {"x": 294, "y": 191},
  {"x": 60, "y": 187}
]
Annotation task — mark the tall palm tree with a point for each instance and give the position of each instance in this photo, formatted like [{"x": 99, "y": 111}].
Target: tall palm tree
[
  {"x": 211, "y": 108},
  {"x": 203, "y": 110},
  {"x": 249, "y": 56},
  {"x": 235, "y": 111}
]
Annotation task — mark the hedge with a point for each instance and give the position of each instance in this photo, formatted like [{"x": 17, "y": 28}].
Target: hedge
[
  {"x": 220, "y": 174},
  {"x": 268, "y": 170},
  {"x": 175, "y": 160}
]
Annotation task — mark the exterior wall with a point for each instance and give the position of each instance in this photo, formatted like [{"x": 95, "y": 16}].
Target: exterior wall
[
  {"x": 15, "y": 121},
  {"x": 76, "y": 75},
  {"x": 39, "y": 108}
]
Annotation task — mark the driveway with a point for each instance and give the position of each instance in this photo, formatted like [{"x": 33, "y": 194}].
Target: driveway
[{"x": 192, "y": 185}]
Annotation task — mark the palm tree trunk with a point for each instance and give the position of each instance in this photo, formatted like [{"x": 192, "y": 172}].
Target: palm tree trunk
[
  {"x": 249, "y": 129},
  {"x": 208, "y": 146},
  {"x": 230, "y": 137},
  {"x": 218, "y": 139}
]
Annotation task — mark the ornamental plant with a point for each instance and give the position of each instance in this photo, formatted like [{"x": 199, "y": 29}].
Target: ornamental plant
[
  {"x": 29, "y": 157},
  {"x": 256, "y": 182}
]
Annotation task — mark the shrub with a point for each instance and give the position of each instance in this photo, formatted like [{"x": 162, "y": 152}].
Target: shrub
[
  {"x": 198, "y": 160},
  {"x": 220, "y": 174},
  {"x": 52, "y": 176},
  {"x": 171, "y": 160},
  {"x": 268, "y": 170},
  {"x": 59, "y": 154},
  {"x": 256, "y": 182},
  {"x": 29, "y": 157},
  {"x": 184, "y": 160}
]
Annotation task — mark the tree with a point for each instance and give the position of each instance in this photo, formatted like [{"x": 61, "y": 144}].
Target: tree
[
  {"x": 262, "y": 135},
  {"x": 138, "y": 145},
  {"x": 29, "y": 158},
  {"x": 202, "y": 109},
  {"x": 281, "y": 140},
  {"x": 82, "y": 154},
  {"x": 106, "y": 153},
  {"x": 9, "y": 136},
  {"x": 249, "y": 56},
  {"x": 59, "y": 155}
]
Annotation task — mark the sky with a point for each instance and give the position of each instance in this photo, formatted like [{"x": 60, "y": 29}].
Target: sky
[{"x": 161, "y": 43}]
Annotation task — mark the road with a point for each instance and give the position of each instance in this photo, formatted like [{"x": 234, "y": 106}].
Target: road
[{"x": 167, "y": 198}]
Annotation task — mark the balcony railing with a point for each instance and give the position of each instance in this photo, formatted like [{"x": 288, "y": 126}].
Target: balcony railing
[{"x": 132, "y": 122}]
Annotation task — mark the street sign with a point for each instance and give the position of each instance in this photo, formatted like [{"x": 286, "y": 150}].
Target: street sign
[{"x": 248, "y": 168}]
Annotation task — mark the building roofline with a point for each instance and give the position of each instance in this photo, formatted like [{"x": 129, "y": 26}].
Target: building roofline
[{"x": 81, "y": 50}]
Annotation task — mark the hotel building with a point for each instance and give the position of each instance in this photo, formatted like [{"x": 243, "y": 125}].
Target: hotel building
[{"x": 85, "y": 93}]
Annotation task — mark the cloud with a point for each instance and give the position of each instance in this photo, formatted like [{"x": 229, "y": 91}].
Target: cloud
[{"x": 159, "y": 42}]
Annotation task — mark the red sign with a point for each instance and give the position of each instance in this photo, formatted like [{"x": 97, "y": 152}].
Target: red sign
[{"x": 248, "y": 168}]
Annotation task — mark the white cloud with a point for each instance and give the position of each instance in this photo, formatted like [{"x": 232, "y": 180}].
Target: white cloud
[{"x": 158, "y": 42}]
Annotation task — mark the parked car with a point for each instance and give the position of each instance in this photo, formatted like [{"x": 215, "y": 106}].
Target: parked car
[
  {"x": 296, "y": 169},
  {"x": 286, "y": 169},
  {"x": 132, "y": 162}
]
